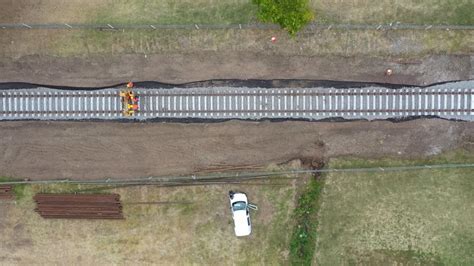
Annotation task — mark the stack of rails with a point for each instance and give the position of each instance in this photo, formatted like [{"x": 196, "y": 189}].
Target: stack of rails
[
  {"x": 6, "y": 192},
  {"x": 79, "y": 206}
]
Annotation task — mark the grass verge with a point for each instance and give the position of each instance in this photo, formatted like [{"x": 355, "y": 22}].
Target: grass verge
[
  {"x": 454, "y": 12},
  {"x": 458, "y": 156},
  {"x": 408, "y": 217},
  {"x": 303, "y": 239},
  {"x": 188, "y": 225},
  {"x": 400, "y": 43},
  {"x": 235, "y": 11},
  {"x": 177, "y": 12}
]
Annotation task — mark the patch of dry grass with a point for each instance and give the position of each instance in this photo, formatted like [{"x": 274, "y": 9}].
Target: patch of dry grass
[
  {"x": 177, "y": 12},
  {"x": 411, "y": 217},
  {"x": 323, "y": 42},
  {"x": 386, "y": 11},
  {"x": 234, "y": 11},
  {"x": 196, "y": 228},
  {"x": 131, "y": 12}
]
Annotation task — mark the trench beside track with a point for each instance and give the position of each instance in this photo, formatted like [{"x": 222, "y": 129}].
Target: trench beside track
[{"x": 455, "y": 102}]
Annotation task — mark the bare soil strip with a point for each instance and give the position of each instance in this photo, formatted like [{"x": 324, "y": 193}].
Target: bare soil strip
[
  {"x": 180, "y": 68},
  {"x": 92, "y": 150}
]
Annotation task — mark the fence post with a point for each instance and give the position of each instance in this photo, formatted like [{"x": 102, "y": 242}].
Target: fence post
[{"x": 314, "y": 26}]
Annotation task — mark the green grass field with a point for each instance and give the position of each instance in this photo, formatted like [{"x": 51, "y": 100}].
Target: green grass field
[
  {"x": 409, "y": 218},
  {"x": 456, "y": 12},
  {"x": 177, "y": 12},
  {"x": 242, "y": 11},
  {"x": 326, "y": 11}
]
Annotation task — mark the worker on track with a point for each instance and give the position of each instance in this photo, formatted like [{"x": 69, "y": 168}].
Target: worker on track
[{"x": 133, "y": 107}]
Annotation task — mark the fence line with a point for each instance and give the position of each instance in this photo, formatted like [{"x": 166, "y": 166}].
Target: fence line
[
  {"x": 242, "y": 176},
  {"x": 310, "y": 27}
]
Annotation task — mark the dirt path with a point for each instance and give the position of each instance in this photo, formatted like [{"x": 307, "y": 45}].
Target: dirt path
[
  {"x": 179, "y": 68},
  {"x": 123, "y": 150}
]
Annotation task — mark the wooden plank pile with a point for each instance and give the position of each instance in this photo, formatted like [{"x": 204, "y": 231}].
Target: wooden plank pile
[
  {"x": 79, "y": 206},
  {"x": 6, "y": 192}
]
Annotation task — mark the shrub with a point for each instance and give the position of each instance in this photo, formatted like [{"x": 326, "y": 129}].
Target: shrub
[
  {"x": 303, "y": 239},
  {"x": 291, "y": 15}
]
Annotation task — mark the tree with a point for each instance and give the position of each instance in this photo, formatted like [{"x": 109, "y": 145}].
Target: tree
[{"x": 291, "y": 15}]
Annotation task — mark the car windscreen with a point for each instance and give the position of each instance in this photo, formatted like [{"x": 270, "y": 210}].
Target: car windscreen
[{"x": 239, "y": 206}]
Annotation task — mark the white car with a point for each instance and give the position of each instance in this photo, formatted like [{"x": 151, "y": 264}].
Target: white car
[{"x": 240, "y": 213}]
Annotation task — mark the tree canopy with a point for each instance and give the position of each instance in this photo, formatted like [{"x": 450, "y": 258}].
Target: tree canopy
[{"x": 291, "y": 15}]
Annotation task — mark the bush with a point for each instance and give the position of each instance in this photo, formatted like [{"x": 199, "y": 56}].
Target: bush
[
  {"x": 291, "y": 15},
  {"x": 303, "y": 239}
]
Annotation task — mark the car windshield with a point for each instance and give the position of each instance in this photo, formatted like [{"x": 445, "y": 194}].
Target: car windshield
[{"x": 239, "y": 206}]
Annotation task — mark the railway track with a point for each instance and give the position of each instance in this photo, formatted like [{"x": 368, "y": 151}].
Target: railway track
[{"x": 452, "y": 102}]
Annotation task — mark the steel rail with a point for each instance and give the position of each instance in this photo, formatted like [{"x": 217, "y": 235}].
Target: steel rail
[
  {"x": 235, "y": 176},
  {"x": 335, "y": 93},
  {"x": 262, "y": 92},
  {"x": 318, "y": 111}
]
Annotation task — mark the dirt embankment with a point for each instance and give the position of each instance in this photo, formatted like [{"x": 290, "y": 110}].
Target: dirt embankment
[
  {"x": 88, "y": 150},
  {"x": 180, "y": 68}
]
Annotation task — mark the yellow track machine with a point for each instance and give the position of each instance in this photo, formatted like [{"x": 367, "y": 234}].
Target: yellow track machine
[{"x": 129, "y": 101}]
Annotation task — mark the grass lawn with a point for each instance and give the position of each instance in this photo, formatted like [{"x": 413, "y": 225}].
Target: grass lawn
[
  {"x": 327, "y": 11},
  {"x": 177, "y": 12},
  {"x": 239, "y": 11},
  {"x": 410, "y": 217},
  {"x": 401, "y": 43},
  {"x": 455, "y": 12},
  {"x": 398, "y": 43},
  {"x": 197, "y": 228}
]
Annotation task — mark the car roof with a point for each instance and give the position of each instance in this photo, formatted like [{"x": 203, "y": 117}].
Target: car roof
[
  {"x": 239, "y": 197},
  {"x": 241, "y": 226}
]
